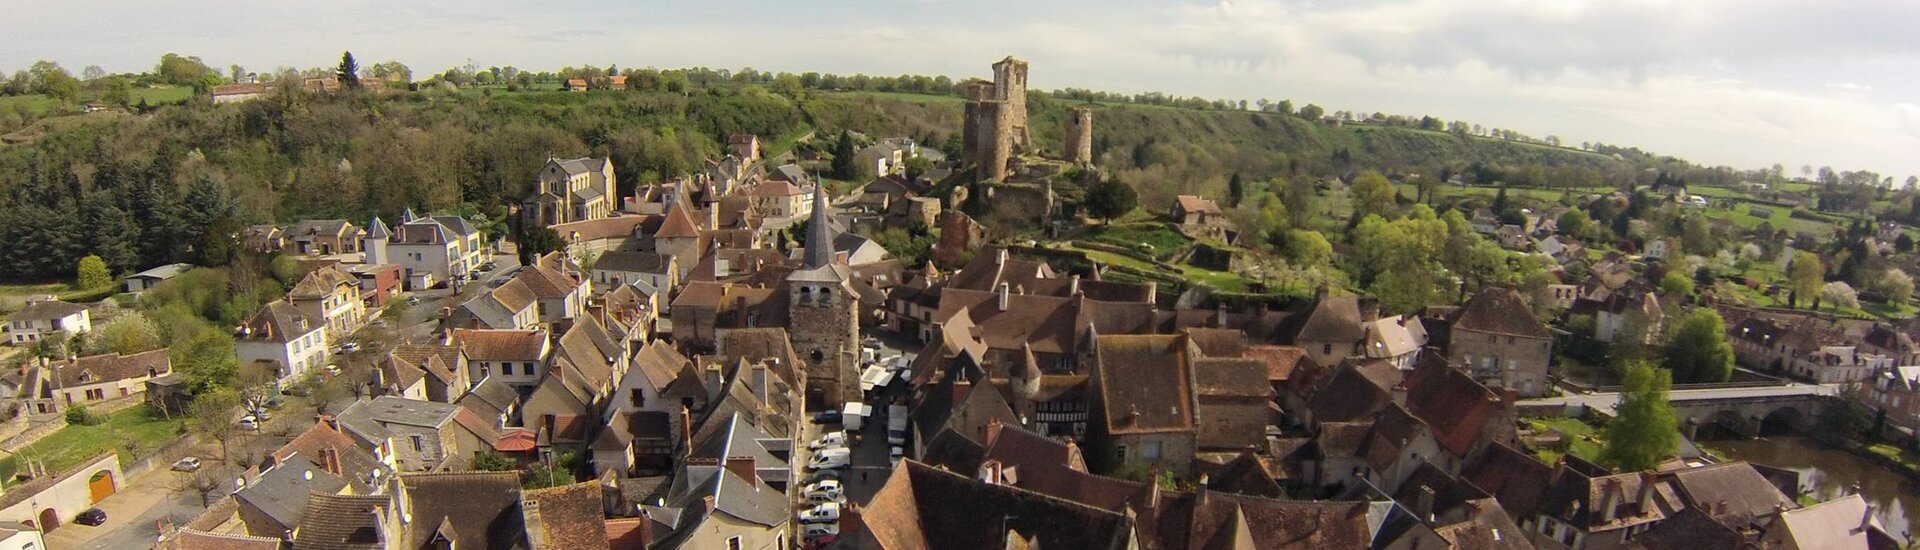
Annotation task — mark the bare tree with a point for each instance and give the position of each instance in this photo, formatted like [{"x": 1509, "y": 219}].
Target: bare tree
[
  {"x": 199, "y": 482},
  {"x": 211, "y": 415}
]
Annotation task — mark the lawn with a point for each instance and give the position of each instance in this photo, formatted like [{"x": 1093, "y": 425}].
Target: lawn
[
  {"x": 1583, "y": 439},
  {"x": 13, "y": 294},
  {"x": 1165, "y": 241},
  {"x": 136, "y": 426},
  {"x": 1219, "y": 280}
]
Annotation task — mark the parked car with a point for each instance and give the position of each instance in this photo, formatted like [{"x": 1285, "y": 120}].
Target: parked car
[
  {"x": 95, "y": 517},
  {"x": 894, "y": 455},
  {"x": 488, "y": 266},
  {"x": 822, "y": 531},
  {"x": 413, "y": 300},
  {"x": 829, "y": 439},
  {"x": 826, "y": 417},
  {"x": 187, "y": 464},
  {"x": 825, "y": 491},
  {"x": 896, "y": 438},
  {"x": 349, "y": 347},
  {"x": 300, "y": 390},
  {"x": 248, "y": 422},
  {"x": 823, "y": 475},
  {"x": 830, "y": 458},
  {"x": 824, "y": 513}
]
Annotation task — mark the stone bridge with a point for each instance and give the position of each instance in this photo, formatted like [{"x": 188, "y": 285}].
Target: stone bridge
[{"x": 1741, "y": 410}]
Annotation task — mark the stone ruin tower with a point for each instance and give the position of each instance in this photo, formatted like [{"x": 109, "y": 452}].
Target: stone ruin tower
[
  {"x": 995, "y": 121},
  {"x": 1080, "y": 135}
]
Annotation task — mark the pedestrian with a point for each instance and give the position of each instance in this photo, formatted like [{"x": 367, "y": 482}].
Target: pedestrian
[{"x": 863, "y": 477}]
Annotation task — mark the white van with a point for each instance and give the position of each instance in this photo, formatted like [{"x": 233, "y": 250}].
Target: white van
[{"x": 830, "y": 458}]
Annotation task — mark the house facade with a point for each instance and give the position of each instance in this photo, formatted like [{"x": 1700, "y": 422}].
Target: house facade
[
  {"x": 52, "y": 387},
  {"x": 47, "y": 317},
  {"x": 284, "y": 340},
  {"x": 332, "y": 296},
  {"x": 1498, "y": 340},
  {"x": 572, "y": 190}
]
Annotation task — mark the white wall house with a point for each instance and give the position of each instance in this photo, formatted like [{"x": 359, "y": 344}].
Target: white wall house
[
  {"x": 282, "y": 339},
  {"x": 44, "y": 317}
]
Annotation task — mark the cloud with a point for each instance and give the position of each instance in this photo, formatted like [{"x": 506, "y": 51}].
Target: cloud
[{"x": 1908, "y": 116}]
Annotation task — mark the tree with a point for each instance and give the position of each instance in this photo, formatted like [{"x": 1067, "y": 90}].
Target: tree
[
  {"x": 93, "y": 274},
  {"x": 491, "y": 461},
  {"x": 1840, "y": 422},
  {"x": 1575, "y": 223},
  {"x": 538, "y": 242},
  {"x": 916, "y": 167},
  {"x": 1312, "y": 112},
  {"x": 180, "y": 70},
  {"x": 1235, "y": 190},
  {"x": 1110, "y": 198},
  {"x": 127, "y": 334},
  {"x": 77, "y": 415},
  {"x": 1675, "y": 283},
  {"x": 843, "y": 153},
  {"x": 119, "y": 91},
  {"x": 1893, "y": 284},
  {"x": 1372, "y": 195},
  {"x": 1309, "y": 248},
  {"x": 211, "y": 415},
  {"x": 1697, "y": 350},
  {"x": 1644, "y": 430},
  {"x": 1840, "y": 294},
  {"x": 200, "y": 482},
  {"x": 1804, "y": 276},
  {"x": 348, "y": 72}
]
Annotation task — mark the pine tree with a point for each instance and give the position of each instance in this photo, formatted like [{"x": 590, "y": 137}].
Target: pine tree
[
  {"x": 1235, "y": 190},
  {"x": 348, "y": 72},
  {"x": 1644, "y": 430},
  {"x": 843, "y": 156},
  {"x": 1110, "y": 198}
]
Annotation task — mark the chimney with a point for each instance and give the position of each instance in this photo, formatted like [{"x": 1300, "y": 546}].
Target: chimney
[
  {"x": 1200, "y": 490},
  {"x": 1003, "y": 296},
  {"x": 743, "y": 466},
  {"x": 1647, "y": 481},
  {"x": 709, "y": 502},
  {"x": 1263, "y": 309},
  {"x": 1001, "y": 258},
  {"x": 1220, "y": 314},
  {"x": 331, "y": 423},
  {"x": 1400, "y": 394},
  {"x": 1507, "y": 397},
  {"x": 740, "y": 311},
  {"x": 1320, "y": 293},
  {"x": 1423, "y": 504},
  {"x": 1473, "y": 509},
  {"x": 993, "y": 433},
  {"x": 1153, "y": 487},
  {"x": 1073, "y": 286},
  {"x": 1609, "y": 500},
  {"x": 686, "y": 429}
]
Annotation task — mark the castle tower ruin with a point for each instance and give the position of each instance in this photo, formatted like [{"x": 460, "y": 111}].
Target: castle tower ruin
[
  {"x": 995, "y": 121},
  {"x": 1080, "y": 135}
]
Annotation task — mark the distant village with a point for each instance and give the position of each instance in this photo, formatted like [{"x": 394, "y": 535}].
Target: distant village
[{"x": 730, "y": 360}]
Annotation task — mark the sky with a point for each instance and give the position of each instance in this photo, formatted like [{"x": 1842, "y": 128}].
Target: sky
[{"x": 1742, "y": 83}]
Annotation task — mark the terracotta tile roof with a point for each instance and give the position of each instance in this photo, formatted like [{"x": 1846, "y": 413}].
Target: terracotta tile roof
[
  {"x": 1197, "y": 204},
  {"x": 480, "y": 509},
  {"x": 1515, "y": 478},
  {"x": 1055, "y": 469},
  {"x": 400, "y": 373},
  {"x": 925, "y": 507},
  {"x": 1145, "y": 383},
  {"x": 617, "y": 227},
  {"x": 341, "y": 522},
  {"x": 188, "y": 539},
  {"x": 569, "y": 516},
  {"x": 110, "y": 367},
  {"x": 46, "y": 309},
  {"x": 1280, "y": 361},
  {"x": 1218, "y": 342},
  {"x": 1500, "y": 311},
  {"x": 322, "y": 440},
  {"x": 323, "y": 282},
  {"x": 1453, "y": 403},
  {"x": 547, "y": 283},
  {"x": 513, "y": 295},
  {"x": 1347, "y": 395},
  {"x": 279, "y": 322},
  {"x": 1246, "y": 474},
  {"x": 627, "y": 534},
  {"x": 678, "y": 224},
  {"x": 501, "y": 344},
  {"x": 659, "y": 362}
]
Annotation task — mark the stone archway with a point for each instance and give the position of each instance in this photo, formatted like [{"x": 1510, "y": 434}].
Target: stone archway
[
  {"x": 1782, "y": 421},
  {"x": 1726, "y": 424}
]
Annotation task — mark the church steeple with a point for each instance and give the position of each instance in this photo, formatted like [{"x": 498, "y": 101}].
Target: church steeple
[{"x": 819, "y": 235}]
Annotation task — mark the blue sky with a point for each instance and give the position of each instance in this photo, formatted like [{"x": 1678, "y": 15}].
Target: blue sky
[{"x": 1745, "y": 83}]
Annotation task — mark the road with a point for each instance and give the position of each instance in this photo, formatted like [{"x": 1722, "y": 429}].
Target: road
[
  {"x": 1604, "y": 401},
  {"x": 871, "y": 463}
]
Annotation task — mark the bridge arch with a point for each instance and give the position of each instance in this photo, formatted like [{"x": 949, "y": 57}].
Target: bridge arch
[
  {"x": 1785, "y": 420},
  {"x": 1727, "y": 424}
]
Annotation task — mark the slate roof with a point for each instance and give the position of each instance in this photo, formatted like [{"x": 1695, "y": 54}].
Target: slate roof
[
  {"x": 1500, "y": 311},
  {"x": 1691, "y": 529},
  {"x": 1231, "y": 377},
  {"x": 1488, "y": 527},
  {"x": 489, "y": 398},
  {"x": 636, "y": 262},
  {"x": 1746, "y": 495},
  {"x": 1515, "y": 478},
  {"x": 281, "y": 491},
  {"x": 1145, "y": 383},
  {"x": 280, "y": 322},
  {"x": 1326, "y": 319},
  {"x": 163, "y": 272}
]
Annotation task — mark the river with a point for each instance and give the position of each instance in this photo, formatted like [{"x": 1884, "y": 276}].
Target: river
[{"x": 1826, "y": 474}]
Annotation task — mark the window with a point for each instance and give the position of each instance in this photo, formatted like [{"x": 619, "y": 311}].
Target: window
[
  {"x": 1120, "y": 452},
  {"x": 527, "y": 367},
  {"x": 506, "y": 369},
  {"x": 1509, "y": 340},
  {"x": 1491, "y": 339},
  {"x": 638, "y": 397},
  {"x": 733, "y": 543},
  {"x": 419, "y": 443}
]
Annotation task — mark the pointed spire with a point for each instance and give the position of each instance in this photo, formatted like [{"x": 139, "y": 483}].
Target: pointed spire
[
  {"x": 408, "y": 216},
  {"x": 819, "y": 235},
  {"x": 378, "y": 230}
]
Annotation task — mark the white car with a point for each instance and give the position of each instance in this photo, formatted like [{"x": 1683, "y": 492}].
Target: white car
[
  {"x": 896, "y": 438},
  {"x": 894, "y": 455},
  {"x": 829, "y": 439},
  {"x": 248, "y": 422},
  {"x": 824, "y": 513},
  {"x": 829, "y": 490},
  {"x": 818, "y": 530}
]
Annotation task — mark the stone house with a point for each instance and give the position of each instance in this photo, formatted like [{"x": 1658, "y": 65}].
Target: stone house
[
  {"x": 1330, "y": 328},
  {"x": 323, "y": 237},
  {"x": 1497, "y": 339},
  {"x": 47, "y": 317},
  {"x": 284, "y": 340},
  {"x": 514, "y": 357},
  {"x": 571, "y": 190},
  {"x": 559, "y": 292},
  {"x": 1143, "y": 401},
  {"x": 782, "y": 201},
  {"x": 51, "y": 387},
  {"x": 1232, "y": 399},
  {"x": 1196, "y": 214},
  {"x": 617, "y": 268},
  {"x": 1630, "y": 315},
  {"x": 1894, "y": 391},
  {"x": 512, "y": 305},
  {"x": 264, "y": 238},
  {"x": 416, "y": 436},
  {"x": 1397, "y": 339},
  {"x": 379, "y": 283},
  {"x": 331, "y": 296}
]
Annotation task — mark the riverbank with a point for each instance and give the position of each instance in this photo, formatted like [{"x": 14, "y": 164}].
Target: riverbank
[{"x": 1827, "y": 473}]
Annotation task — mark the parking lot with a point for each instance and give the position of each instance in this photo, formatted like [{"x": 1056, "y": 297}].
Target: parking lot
[{"x": 870, "y": 463}]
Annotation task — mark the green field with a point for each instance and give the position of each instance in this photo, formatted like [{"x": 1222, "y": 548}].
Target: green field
[
  {"x": 136, "y": 426},
  {"x": 41, "y": 105}
]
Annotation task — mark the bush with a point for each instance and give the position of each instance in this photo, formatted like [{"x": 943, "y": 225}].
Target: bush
[{"x": 77, "y": 415}]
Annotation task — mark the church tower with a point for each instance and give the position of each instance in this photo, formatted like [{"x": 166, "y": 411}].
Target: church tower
[
  {"x": 822, "y": 315},
  {"x": 374, "y": 245}
]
